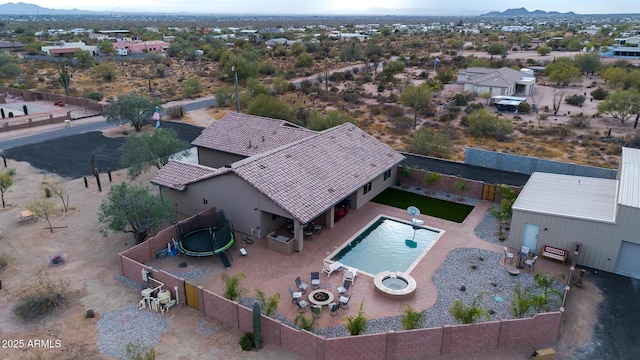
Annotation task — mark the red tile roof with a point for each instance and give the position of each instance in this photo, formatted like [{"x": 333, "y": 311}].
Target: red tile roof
[{"x": 249, "y": 135}]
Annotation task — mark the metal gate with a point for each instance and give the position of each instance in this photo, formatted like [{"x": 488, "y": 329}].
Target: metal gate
[
  {"x": 191, "y": 293},
  {"x": 489, "y": 192}
]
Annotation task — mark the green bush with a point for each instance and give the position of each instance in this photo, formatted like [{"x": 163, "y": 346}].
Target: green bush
[
  {"x": 304, "y": 323},
  {"x": 270, "y": 305},
  {"x": 357, "y": 325},
  {"x": 411, "y": 318},
  {"x": 246, "y": 342},
  {"x": 232, "y": 289},
  {"x": 95, "y": 96},
  {"x": 599, "y": 94},
  {"x": 575, "y": 99}
]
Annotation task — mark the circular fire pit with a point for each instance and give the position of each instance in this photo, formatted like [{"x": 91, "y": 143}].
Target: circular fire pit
[
  {"x": 395, "y": 285},
  {"x": 320, "y": 297}
]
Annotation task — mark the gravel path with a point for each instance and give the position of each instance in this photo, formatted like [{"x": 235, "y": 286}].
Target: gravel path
[{"x": 129, "y": 325}]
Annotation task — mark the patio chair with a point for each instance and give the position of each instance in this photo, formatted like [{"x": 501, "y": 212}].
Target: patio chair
[
  {"x": 328, "y": 268},
  {"x": 295, "y": 295},
  {"x": 531, "y": 263},
  {"x": 350, "y": 275},
  {"x": 508, "y": 256},
  {"x": 344, "y": 301},
  {"x": 315, "y": 280},
  {"x": 344, "y": 288},
  {"x": 302, "y": 306},
  {"x": 525, "y": 249},
  {"x": 333, "y": 308},
  {"x": 301, "y": 285}
]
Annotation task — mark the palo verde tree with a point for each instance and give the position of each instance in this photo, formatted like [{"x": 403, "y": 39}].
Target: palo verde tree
[
  {"x": 418, "y": 98},
  {"x": 621, "y": 104},
  {"x": 133, "y": 108},
  {"x": 42, "y": 208},
  {"x": 139, "y": 153},
  {"x": 133, "y": 209},
  {"x": 6, "y": 180},
  {"x": 562, "y": 70}
]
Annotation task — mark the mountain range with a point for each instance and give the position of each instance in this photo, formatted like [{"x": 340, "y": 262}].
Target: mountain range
[
  {"x": 22, "y": 8},
  {"x": 524, "y": 12}
]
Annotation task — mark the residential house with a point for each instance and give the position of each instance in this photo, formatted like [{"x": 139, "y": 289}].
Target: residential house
[
  {"x": 599, "y": 215},
  {"x": 68, "y": 48},
  {"x": 504, "y": 81},
  {"x": 264, "y": 172}
]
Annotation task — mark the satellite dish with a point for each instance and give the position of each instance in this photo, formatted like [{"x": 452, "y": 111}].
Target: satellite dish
[{"x": 413, "y": 211}]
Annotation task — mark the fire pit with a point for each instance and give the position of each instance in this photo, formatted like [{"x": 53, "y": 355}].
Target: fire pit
[{"x": 320, "y": 297}]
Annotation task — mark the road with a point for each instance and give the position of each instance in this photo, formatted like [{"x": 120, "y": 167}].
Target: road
[{"x": 11, "y": 139}]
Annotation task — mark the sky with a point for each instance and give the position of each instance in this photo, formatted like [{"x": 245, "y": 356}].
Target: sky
[{"x": 329, "y": 7}]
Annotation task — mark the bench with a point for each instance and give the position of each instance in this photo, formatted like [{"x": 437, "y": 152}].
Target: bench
[{"x": 554, "y": 253}]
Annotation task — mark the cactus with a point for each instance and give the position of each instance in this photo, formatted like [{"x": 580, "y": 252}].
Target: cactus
[
  {"x": 257, "y": 324},
  {"x": 63, "y": 77},
  {"x": 2, "y": 112},
  {"x": 25, "y": 110}
]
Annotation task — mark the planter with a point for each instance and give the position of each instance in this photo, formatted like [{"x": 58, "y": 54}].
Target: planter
[{"x": 281, "y": 244}]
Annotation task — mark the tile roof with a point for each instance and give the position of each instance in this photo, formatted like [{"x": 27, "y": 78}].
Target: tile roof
[
  {"x": 177, "y": 175},
  {"x": 307, "y": 177},
  {"x": 249, "y": 135}
]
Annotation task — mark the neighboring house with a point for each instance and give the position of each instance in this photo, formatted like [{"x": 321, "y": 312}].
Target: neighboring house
[
  {"x": 11, "y": 46},
  {"x": 601, "y": 214},
  {"x": 68, "y": 48},
  {"x": 504, "y": 81},
  {"x": 157, "y": 46},
  {"x": 268, "y": 171}
]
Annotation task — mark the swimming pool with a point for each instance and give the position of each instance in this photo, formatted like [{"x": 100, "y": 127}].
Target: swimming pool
[{"x": 386, "y": 244}]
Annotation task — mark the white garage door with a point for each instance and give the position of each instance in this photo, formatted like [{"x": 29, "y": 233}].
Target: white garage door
[{"x": 629, "y": 260}]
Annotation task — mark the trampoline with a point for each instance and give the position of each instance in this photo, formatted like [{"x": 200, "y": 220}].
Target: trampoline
[{"x": 205, "y": 235}]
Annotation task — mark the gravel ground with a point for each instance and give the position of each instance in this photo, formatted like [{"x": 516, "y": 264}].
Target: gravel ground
[{"x": 130, "y": 325}]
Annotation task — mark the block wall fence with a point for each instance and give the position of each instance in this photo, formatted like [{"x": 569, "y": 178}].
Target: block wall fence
[{"x": 539, "y": 330}]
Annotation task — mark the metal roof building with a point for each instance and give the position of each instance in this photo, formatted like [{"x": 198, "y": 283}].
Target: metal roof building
[{"x": 603, "y": 215}]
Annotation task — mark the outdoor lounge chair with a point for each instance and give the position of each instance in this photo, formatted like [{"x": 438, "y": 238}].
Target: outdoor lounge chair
[
  {"x": 302, "y": 306},
  {"x": 295, "y": 295},
  {"x": 328, "y": 268},
  {"x": 344, "y": 288},
  {"x": 301, "y": 285},
  {"x": 350, "y": 275},
  {"x": 508, "y": 256},
  {"x": 531, "y": 263},
  {"x": 315, "y": 280}
]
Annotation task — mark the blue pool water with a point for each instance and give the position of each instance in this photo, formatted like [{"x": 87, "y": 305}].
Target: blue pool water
[{"x": 387, "y": 245}]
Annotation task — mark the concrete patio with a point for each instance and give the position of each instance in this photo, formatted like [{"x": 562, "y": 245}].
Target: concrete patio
[{"x": 273, "y": 272}]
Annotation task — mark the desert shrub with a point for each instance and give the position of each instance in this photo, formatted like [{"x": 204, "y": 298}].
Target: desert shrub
[
  {"x": 137, "y": 352},
  {"x": 393, "y": 111},
  {"x": 4, "y": 260},
  {"x": 473, "y": 107},
  {"x": 445, "y": 117},
  {"x": 351, "y": 95},
  {"x": 634, "y": 142},
  {"x": 304, "y": 323},
  {"x": 337, "y": 77},
  {"x": 246, "y": 342},
  {"x": 95, "y": 96},
  {"x": 232, "y": 289},
  {"x": 524, "y": 108},
  {"x": 461, "y": 100},
  {"x": 575, "y": 99},
  {"x": 176, "y": 112},
  {"x": 401, "y": 124},
  {"x": 270, "y": 305},
  {"x": 357, "y": 325},
  {"x": 599, "y": 94},
  {"x": 580, "y": 121},
  {"x": 41, "y": 300}
]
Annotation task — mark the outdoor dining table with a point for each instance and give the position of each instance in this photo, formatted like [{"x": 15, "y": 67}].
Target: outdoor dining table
[{"x": 521, "y": 255}]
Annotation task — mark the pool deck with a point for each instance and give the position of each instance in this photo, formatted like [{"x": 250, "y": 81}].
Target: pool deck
[{"x": 273, "y": 272}]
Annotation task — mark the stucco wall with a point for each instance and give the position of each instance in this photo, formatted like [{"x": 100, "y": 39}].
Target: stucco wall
[{"x": 216, "y": 159}]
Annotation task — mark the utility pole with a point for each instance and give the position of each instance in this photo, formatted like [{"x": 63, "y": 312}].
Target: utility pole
[{"x": 235, "y": 75}]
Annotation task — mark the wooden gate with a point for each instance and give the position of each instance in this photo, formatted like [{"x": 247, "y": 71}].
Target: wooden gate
[
  {"x": 488, "y": 192},
  {"x": 191, "y": 293}
]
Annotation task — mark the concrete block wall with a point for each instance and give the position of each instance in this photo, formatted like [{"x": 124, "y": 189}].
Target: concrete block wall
[
  {"x": 460, "y": 339},
  {"x": 361, "y": 347},
  {"x": 473, "y": 188},
  {"x": 414, "y": 344},
  {"x": 541, "y": 329},
  {"x": 220, "y": 308},
  {"x": 170, "y": 283},
  {"x": 307, "y": 345}
]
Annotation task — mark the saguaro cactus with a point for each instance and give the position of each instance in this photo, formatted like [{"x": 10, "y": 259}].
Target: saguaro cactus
[{"x": 257, "y": 324}]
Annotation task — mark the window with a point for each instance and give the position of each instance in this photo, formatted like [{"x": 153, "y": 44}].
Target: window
[
  {"x": 205, "y": 201},
  {"x": 387, "y": 174},
  {"x": 366, "y": 188}
]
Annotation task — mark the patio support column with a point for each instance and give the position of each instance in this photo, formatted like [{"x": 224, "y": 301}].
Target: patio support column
[
  {"x": 329, "y": 218},
  {"x": 298, "y": 235}
]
